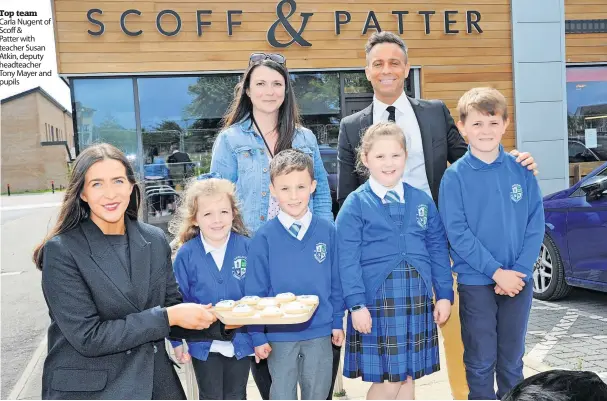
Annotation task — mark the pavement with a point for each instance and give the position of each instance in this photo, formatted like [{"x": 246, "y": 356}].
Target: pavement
[
  {"x": 23, "y": 316},
  {"x": 31, "y": 201},
  {"x": 570, "y": 333},
  {"x": 433, "y": 387}
]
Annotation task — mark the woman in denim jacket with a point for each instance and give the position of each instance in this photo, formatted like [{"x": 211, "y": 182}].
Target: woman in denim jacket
[{"x": 262, "y": 121}]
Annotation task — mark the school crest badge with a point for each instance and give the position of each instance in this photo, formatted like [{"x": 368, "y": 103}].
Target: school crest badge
[
  {"x": 239, "y": 269},
  {"x": 320, "y": 252},
  {"x": 422, "y": 216},
  {"x": 517, "y": 193}
]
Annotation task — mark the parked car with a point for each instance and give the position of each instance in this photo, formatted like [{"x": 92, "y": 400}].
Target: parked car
[
  {"x": 329, "y": 159},
  {"x": 574, "y": 250},
  {"x": 579, "y": 153}
]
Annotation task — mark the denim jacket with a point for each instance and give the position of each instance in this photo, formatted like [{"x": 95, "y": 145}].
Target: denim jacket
[{"x": 239, "y": 155}]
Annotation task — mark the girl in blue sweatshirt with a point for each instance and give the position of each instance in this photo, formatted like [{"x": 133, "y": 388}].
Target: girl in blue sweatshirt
[
  {"x": 210, "y": 267},
  {"x": 392, "y": 253}
]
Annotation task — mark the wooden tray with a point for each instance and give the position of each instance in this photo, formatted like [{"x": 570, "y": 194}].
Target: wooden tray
[{"x": 228, "y": 318}]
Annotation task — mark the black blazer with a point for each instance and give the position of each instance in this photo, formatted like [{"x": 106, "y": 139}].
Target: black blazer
[
  {"x": 441, "y": 142},
  {"x": 106, "y": 331}
]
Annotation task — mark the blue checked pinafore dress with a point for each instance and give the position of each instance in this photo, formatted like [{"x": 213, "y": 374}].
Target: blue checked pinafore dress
[{"x": 404, "y": 339}]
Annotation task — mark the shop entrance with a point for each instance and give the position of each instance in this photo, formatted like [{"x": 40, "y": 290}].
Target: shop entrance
[{"x": 167, "y": 124}]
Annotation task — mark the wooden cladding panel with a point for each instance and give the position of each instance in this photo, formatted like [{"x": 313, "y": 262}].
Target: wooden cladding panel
[
  {"x": 589, "y": 47},
  {"x": 116, "y": 52},
  {"x": 450, "y": 63}
]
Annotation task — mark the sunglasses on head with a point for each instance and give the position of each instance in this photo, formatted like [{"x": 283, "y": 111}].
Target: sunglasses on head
[
  {"x": 275, "y": 57},
  {"x": 208, "y": 176}
]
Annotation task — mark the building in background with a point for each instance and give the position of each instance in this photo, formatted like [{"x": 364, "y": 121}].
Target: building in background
[
  {"x": 153, "y": 74},
  {"x": 37, "y": 141}
]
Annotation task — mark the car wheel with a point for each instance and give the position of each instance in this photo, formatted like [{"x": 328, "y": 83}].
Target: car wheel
[{"x": 549, "y": 274}]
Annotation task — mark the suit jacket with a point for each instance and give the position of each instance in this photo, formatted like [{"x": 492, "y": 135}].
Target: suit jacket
[
  {"x": 107, "y": 329},
  {"x": 441, "y": 142}
]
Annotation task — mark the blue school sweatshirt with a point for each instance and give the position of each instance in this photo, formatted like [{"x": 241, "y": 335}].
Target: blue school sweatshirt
[
  {"x": 370, "y": 244},
  {"x": 201, "y": 282},
  {"x": 279, "y": 262},
  {"x": 494, "y": 217}
]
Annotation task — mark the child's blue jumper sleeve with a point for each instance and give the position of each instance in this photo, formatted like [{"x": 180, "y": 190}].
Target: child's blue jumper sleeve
[
  {"x": 349, "y": 226},
  {"x": 436, "y": 243}
]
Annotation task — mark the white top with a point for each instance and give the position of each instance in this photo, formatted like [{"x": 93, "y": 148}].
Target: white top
[
  {"x": 381, "y": 191},
  {"x": 217, "y": 253},
  {"x": 225, "y": 348},
  {"x": 415, "y": 168},
  {"x": 287, "y": 221}
]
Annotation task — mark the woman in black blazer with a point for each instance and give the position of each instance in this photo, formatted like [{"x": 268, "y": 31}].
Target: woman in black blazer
[{"x": 112, "y": 297}]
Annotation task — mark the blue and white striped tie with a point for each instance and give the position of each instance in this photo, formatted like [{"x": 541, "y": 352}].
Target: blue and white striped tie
[
  {"x": 392, "y": 197},
  {"x": 294, "y": 229}
]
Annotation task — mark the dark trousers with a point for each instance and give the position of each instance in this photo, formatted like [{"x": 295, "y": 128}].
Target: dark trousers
[
  {"x": 221, "y": 378},
  {"x": 263, "y": 380},
  {"x": 493, "y": 332}
]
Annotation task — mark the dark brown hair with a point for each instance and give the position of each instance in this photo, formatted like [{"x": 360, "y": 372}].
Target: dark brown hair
[
  {"x": 182, "y": 225},
  {"x": 73, "y": 209},
  {"x": 386, "y": 37},
  {"x": 290, "y": 160},
  {"x": 488, "y": 101},
  {"x": 288, "y": 115}
]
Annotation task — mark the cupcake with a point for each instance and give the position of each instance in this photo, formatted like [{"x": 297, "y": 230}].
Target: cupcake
[
  {"x": 308, "y": 299},
  {"x": 285, "y": 297},
  {"x": 243, "y": 310},
  {"x": 265, "y": 302},
  {"x": 225, "y": 305},
  {"x": 250, "y": 300},
  {"x": 271, "y": 311},
  {"x": 295, "y": 308}
]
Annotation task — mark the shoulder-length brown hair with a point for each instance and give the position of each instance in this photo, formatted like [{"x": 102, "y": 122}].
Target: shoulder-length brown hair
[
  {"x": 288, "y": 114},
  {"x": 183, "y": 224},
  {"x": 73, "y": 209}
]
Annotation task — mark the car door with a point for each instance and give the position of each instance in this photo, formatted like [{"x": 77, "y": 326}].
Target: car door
[{"x": 587, "y": 236}]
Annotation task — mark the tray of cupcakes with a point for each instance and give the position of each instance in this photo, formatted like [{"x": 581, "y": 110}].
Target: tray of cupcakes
[{"x": 285, "y": 308}]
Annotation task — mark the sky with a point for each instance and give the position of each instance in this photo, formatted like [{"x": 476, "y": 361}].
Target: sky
[{"x": 44, "y": 37}]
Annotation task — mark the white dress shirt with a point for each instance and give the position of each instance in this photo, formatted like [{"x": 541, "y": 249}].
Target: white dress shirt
[
  {"x": 381, "y": 191},
  {"x": 287, "y": 221},
  {"x": 225, "y": 348},
  {"x": 415, "y": 168}
]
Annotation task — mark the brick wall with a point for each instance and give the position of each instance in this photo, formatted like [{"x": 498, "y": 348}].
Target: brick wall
[{"x": 26, "y": 165}]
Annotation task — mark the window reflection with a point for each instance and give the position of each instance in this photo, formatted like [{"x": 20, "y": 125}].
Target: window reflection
[
  {"x": 586, "y": 119},
  {"x": 318, "y": 98},
  {"x": 180, "y": 118},
  {"x": 356, "y": 82},
  {"x": 105, "y": 112},
  {"x": 587, "y": 113}
]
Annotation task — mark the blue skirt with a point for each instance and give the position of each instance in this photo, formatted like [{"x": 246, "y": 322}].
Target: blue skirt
[{"x": 404, "y": 339}]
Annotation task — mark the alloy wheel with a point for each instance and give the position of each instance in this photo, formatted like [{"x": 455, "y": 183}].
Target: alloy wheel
[{"x": 542, "y": 271}]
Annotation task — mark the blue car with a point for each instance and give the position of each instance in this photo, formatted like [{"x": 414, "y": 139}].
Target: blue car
[{"x": 574, "y": 251}]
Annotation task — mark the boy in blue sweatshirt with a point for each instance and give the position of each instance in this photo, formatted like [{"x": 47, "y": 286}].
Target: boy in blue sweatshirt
[
  {"x": 493, "y": 213},
  {"x": 302, "y": 260}
]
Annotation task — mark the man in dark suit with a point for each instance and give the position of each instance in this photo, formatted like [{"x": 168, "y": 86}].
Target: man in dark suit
[{"x": 433, "y": 140}]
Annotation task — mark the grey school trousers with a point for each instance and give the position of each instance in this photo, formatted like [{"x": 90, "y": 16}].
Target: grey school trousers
[{"x": 308, "y": 362}]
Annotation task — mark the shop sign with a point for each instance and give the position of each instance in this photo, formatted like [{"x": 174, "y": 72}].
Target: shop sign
[{"x": 294, "y": 30}]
